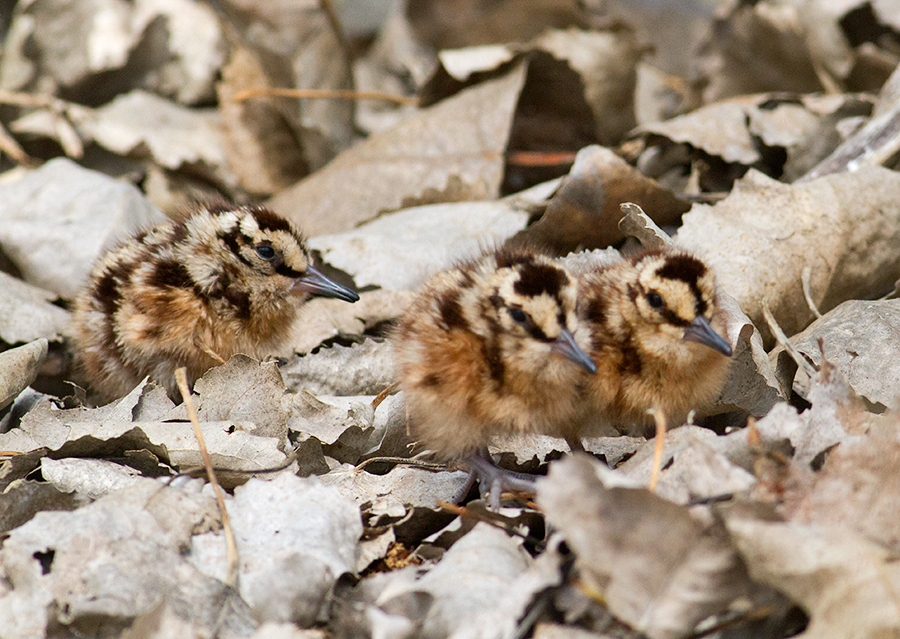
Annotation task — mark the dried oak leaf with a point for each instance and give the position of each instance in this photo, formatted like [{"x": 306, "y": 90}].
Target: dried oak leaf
[
  {"x": 295, "y": 538},
  {"x": 41, "y": 211},
  {"x": 759, "y": 240},
  {"x": 860, "y": 338},
  {"x": 461, "y": 139},
  {"x": 847, "y": 585},
  {"x": 858, "y": 487},
  {"x": 585, "y": 211},
  {"x": 659, "y": 569}
]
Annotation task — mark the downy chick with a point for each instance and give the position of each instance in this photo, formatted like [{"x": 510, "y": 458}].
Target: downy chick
[
  {"x": 656, "y": 337},
  {"x": 489, "y": 348},
  {"x": 194, "y": 292}
]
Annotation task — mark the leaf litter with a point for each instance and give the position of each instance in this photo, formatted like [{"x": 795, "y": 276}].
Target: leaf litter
[{"x": 774, "y": 514}]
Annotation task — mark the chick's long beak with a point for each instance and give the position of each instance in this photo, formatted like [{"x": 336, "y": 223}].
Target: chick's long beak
[
  {"x": 701, "y": 332},
  {"x": 565, "y": 345},
  {"x": 314, "y": 282}
]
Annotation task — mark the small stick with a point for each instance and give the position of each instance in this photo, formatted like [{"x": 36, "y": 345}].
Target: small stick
[
  {"x": 326, "y": 94},
  {"x": 231, "y": 578},
  {"x": 384, "y": 394},
  {"x": 807, "y": 291},
  {"x": 656, "y": 469}
]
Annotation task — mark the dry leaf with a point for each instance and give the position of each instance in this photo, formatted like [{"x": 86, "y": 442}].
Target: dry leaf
[
  {"x": 659, "y": 569},
  {"x": 585, "y": 211},
  {"x": 107, "y": 562},
  {"x": 858, "y": 487},
  {"x": 859, "y": 338},
  {"x": 26, "y": 313},
  {"x": 18, "y": 368},
  {"x": 761, "y": 237},
  {"x": 460, "y": 140},
  {"x": 41, "y": 211},
  {"x": 295, "y": 538},
  {"x": 360, "y": 369},
  {"x": 402, "y": 249},
  {"x": 262, "y": 137},
  {"x": 169, "y": 47},
  {"x": 847, "y": 585}
]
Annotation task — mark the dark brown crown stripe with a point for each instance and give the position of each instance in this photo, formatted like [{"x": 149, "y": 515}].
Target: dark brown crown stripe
[
  {"x": 269, "y": 221},
  {"x": 689, "y": 270},
  {"x": 536, "y": 279},
  {"x": 452, "y": 312}
]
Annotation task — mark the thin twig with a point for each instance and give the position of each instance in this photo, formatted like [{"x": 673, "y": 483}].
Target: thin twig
[
  {"x": 383, "y": 395},
  {"x": 809, "y": 368},
  {"x": 807, "y": 290},
  {"x": 17, "y": 154},
  {"x": 231, "y": 578},
  {"x": 660, "y": 442},
  {"x": 325, "y": 94}
]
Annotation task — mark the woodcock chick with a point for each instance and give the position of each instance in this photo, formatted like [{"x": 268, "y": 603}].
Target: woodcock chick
[
  {"x": 656, "y": 333},
  {"x": 489, "y": 348},
  {"x": 194, "y": 292}
]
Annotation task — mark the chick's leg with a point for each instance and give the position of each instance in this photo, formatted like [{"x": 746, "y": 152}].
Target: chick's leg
[{"x": 493, "y": 480}]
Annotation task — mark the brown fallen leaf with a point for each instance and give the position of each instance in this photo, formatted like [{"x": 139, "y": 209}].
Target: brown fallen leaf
[
  {"x": 846, "y": 584},
  {"x": 585, "y": 211},
  {"x": 759, "y": 240},
  {"x": 659, "y": 569},
  {"x": 261, "y": 135},
  {"x": 462, "y": 138}
]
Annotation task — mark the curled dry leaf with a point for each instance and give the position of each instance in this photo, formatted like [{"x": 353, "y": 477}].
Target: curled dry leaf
[
  {"x": 860, "y": 339},
  {"x": 844, "y": 227},
  {"x": 40, "y": 210},
  {"x": 26, "y": 313},
  {"x": 402, "y": 249},
  {"x": 295, "y": 538},
  {"x": 659, "y": 569},
  {"x": 112, "y": 560},
  {"x": 172, "y": 48},
  {"x": 18, "y": 368},
  {"x": 858, "y": 487},
  {"x": 585, "y": 211},
  {"x": 457, "y": 142},
  {"x": 847, "y": 585},
  {"x": 343, "y": 425}
]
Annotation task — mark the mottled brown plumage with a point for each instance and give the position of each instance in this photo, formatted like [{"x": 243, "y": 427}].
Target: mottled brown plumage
[
  {"x": 656, "y": 337},
  {"x": 194, "y": 292},
  {"x": 491, "y": 347}
]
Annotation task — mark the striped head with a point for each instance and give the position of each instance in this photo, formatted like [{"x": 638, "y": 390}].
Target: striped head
[
  {"x": 254, "y": 250},
  {"x": 672, "y": 301},
  {"x": 522, "y": 306}
]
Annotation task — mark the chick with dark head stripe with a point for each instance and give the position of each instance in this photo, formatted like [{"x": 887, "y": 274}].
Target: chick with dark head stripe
[
  {"x": 194, "y": 292},
  {"x": 656, "y": 337},
  {"x": 491, "y": 347}
]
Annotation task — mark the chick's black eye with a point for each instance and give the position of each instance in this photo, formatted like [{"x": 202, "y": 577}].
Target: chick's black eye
[
  {"x": 518, "y": 315},
  {"x": 655, "y": 300},
  {"x": 265, "y": 251}
]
